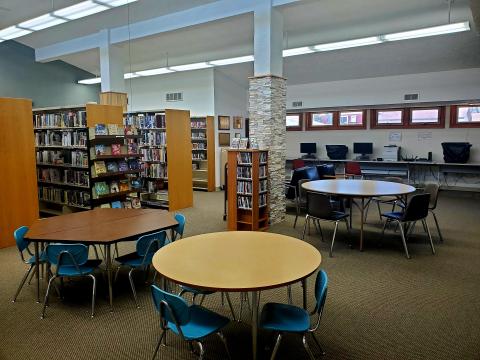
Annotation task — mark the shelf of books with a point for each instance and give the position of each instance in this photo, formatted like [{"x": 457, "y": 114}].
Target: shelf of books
[
  {"x": 63, "y": 156},
  {"x": 165, "y": 170},
  {"x": 203, "y": 153},
  {"x": 248, "y": 190}
]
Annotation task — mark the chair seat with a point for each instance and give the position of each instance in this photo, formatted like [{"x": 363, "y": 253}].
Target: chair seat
[
  {"x": 196, "y": 291},
  {"x": 133, "y": 260},
  {"x": 386, "y": 199},
  {"x": 337, "y": 215},
  {"x": 203, "y": 322},
  {"x": 396, "y": 215},
  {"x": 71, "y": 270},
  {"x": 43, "y": 258},
  {"x": 284, "y": 317}
]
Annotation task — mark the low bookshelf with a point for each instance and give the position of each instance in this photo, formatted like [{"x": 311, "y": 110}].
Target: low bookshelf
[
  {"x": 248, "y": 190},
  {"x": 203, "y": 153},
  {"x": 166, "y": 149}
]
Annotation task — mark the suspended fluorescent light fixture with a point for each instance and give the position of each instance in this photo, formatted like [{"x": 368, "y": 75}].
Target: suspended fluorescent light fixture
[
  {"x": 13, "y": 32},
  {"x": 430, "y": 31},
  {"x": 297, "y": 51},
  {"x": 80, "y": 10},
  {"x": 91, "y": 81},
  {"x": 372, "y": 40},
  {"x": 115, "y": 3},
  {"x": 230, "y": 61},
  {"x": 195, "y": 66},
  {"x": 130, "y": 75},
  {"x": 42, "y": 22},
  {"x": 151, "y": 72}
]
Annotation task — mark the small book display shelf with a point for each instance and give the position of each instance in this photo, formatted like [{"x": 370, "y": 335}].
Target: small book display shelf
[{"x": 248, "y": 190}]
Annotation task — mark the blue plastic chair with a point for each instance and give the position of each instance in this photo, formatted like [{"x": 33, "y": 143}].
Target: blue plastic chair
[
  {"x": 178, "y": 230},
  {"x": 71, "y": 260},
  {"x": 192, "y": 323},
  {"x": 146, "y": 247},
  {"x": 22, "y": 245},
  {"x": 283, "y": 318}
]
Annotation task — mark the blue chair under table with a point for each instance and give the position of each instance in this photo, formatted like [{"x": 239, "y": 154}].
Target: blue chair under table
[
  {"x": 146, "y": 247},
  {"x": 284, "y": 318},
  {"x": 70, "y": 260},
  {"x": 192, "y": 323},
  {"x": 178, "y": 230},
  {"x": 22, "y": 245}
]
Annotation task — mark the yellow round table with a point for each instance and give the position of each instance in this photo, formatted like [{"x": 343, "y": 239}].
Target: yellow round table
[{"x": 238, "y": 261}]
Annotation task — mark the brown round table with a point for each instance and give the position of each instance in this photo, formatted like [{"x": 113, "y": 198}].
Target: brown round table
[
  {"x": 238, "y": 261},
  {"x": 361, "y": 189}
]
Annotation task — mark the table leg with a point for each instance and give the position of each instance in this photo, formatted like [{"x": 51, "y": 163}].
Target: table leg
[
  {"x": 304, "y": 286},
  {"x": 109, "y": 274},
  {"x": 362, "y": 210},
  {"x": 172, "y": 234},
  {"x": 37, "y": 272},
  {"x": 254, "y": 323}
]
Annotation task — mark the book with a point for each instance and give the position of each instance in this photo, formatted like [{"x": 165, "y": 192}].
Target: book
[
  {"x": 116, "y": 149},
  {"x": 136, "y": 203},
  {"x": 101, "y": 188},
  {"x": 100, "y": 167},
  {"x": 114, "y": 187},
  {"x": 133, "y": 164},
  {"x": 122, "y": 165},
  {"x": 243, "y": 144},
  {"x": 112, "y": 166},
  {"x": 130, "y": 130},
  {"x": 105, "y": 206},
  {"x": 101, "y": 129},
  {"x": 136, "y": 183},
  {"x": 253, "y": 143},
  {"x": 112, "y": 129},
  {"x": 132, "y": 148},
  {"x": 127, "y": 204},
  {"x": 234, "y": 143},
  {"x": 124, "y": 185},
  {"x": 99, "y": 149},
  {"x": 117, "y": 205}
]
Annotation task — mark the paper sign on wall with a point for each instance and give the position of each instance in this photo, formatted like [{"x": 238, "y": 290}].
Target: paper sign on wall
[
  {"x": 424, "y": 135},
  {"x": 395, "y": 136}
]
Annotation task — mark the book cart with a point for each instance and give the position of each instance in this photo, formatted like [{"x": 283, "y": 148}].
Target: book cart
[{"x": 247, "y": 190}]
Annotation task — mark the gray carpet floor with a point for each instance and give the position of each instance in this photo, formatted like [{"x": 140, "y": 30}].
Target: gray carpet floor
[{"x": 380, "y": 305}]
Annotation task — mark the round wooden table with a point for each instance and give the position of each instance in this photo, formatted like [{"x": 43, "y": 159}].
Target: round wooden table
[
  {"x": 358, "y": 189},
  {"x": 238, "y": 261}
]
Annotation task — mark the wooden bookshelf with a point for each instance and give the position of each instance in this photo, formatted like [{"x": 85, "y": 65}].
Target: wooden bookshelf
[
  {"x": 203, "y": 153},
  {"x": 248, "y": 190},
  {"x": 18, "y": 198},
  {"x": 166, "y": 169}
]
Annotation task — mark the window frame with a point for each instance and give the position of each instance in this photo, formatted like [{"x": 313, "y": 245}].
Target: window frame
[
  {"x": 295, "y": 128},
  {"x": 438, "y": 125},
  {"x": 374, "y": 119},
  {"x": 454, "y": 116},
  {"x": 336, "y": 120},
  {"x": 310, "y": 127},
  {"x": 355, "y": 126}
]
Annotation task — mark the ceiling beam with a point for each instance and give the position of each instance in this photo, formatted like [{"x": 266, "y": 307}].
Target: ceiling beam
[{"x": 182, "y": 19}]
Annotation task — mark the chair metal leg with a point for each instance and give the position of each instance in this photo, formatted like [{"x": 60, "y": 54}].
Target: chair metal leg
[
  {"x": 429, "y": 235},
  {"x": 384, "y": 227},
  {"x": 202, "y": 350},
  {"x": 438, "y": 227},
  {"x": 94, "y": 290},
  {"x": 201, "y": 300},
  {"x": 45, "y": 302},
  {"x": 379, "y": 210},
  {"x": 333, "y": 238},
  {"x": 289, "y": 294},
  {"x": 402, "y": 234},
  {"x": 296, "y": 213},
  {"x": 33, "y": 274},
  {"x": 116, "y": 274},
  {"x": 318, "y": 343},
  {"x": 132, "y": 285},
  {"x": 307, "y": 348},
  {"x": 277, "y": 345},
  {"x": 307, "y": 219},
  {"x": 346, "y": 224},
  {"x": 158, "y": 344},
  {"x": 321, "y": 232},
  {"x": 224, "y": 341},
  {"x": 20, "y": 286},
  {"x": 411, "y": 228},
  {"x": 96, "y": 251},
  {"x": 116, "y": 249},
  {"x": 230, "y": 305}
]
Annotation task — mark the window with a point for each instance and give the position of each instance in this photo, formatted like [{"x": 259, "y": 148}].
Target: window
[
  {"x": 427, "y": 117},
  {"x": 465, "y": 115},
  {"x": 389, "y": 117},
  {"x": 294, "y": 122},
  {"x": 320, "y": 120},
  {"x": 352, "y": 118}
]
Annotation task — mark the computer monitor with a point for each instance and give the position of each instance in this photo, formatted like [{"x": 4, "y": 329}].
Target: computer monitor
[
  {"x": 308, "y": 148},
  {"x": 364, "y": 149}
]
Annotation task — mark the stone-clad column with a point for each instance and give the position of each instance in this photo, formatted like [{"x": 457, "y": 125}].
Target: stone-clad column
[{"x": 267, "y": 111}]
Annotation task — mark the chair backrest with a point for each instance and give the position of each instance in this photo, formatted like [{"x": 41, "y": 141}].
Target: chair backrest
[
  {"x": 325, "y": 169},
  {"x": 181, "y": 223},
  {"x": 321, "y": 286},
  {"x": 353, "y": 168},
  {"x": 319, "y": 205},
  {"x": 148, "y": 244},
  {"x": 67, "y": 254},
  {"x": 307, "y": 172},
  {"x": 432, "y": 189},
  {"x": 298, "y": 163},
  {"x": 301, "y": 191},
  {"x": 417, "y": 207},
  {"x": 178, "y": 305},
  {"x": 19, "y": 235},
  {"x": 395, "y": 179}
]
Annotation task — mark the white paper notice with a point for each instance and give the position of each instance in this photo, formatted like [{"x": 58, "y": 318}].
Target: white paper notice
[
  {"x": 424, "y": 135},
  {"x": 395, "y": 136}
]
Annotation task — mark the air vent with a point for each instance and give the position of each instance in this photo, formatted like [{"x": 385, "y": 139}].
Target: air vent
[
  {"x": 177, "y": 96},
  {"x": 410, "y": 97},
  {"x": 297, "y": 104}
]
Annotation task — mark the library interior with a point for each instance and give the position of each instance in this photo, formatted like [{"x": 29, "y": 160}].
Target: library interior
[{"x": 240, "y": 179}]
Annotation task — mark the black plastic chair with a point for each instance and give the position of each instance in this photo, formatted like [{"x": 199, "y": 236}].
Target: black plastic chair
[
  {"x": 416, "y": 210},
  {"x": 326, "y": 171},
  {"x": 321, "y": 208},
  {"x": 433, "y": 190}
]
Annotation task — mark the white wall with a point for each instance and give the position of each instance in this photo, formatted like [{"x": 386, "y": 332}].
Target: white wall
[
  {"x": 431, "y": 87},
  {"x": 231, "y": 99},
  {"x": 148, "y": 93}
]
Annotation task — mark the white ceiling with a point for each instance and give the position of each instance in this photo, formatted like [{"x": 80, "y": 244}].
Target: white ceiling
[{"x": 306, "y": 23}]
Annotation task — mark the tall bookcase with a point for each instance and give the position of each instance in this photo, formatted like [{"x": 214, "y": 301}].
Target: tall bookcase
[
  {"x": 63, "y": 157},
  {"x": 166, "y": 149},
  {"x": 248, "y": 190},
  {"x": 203, "y": 153}
]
